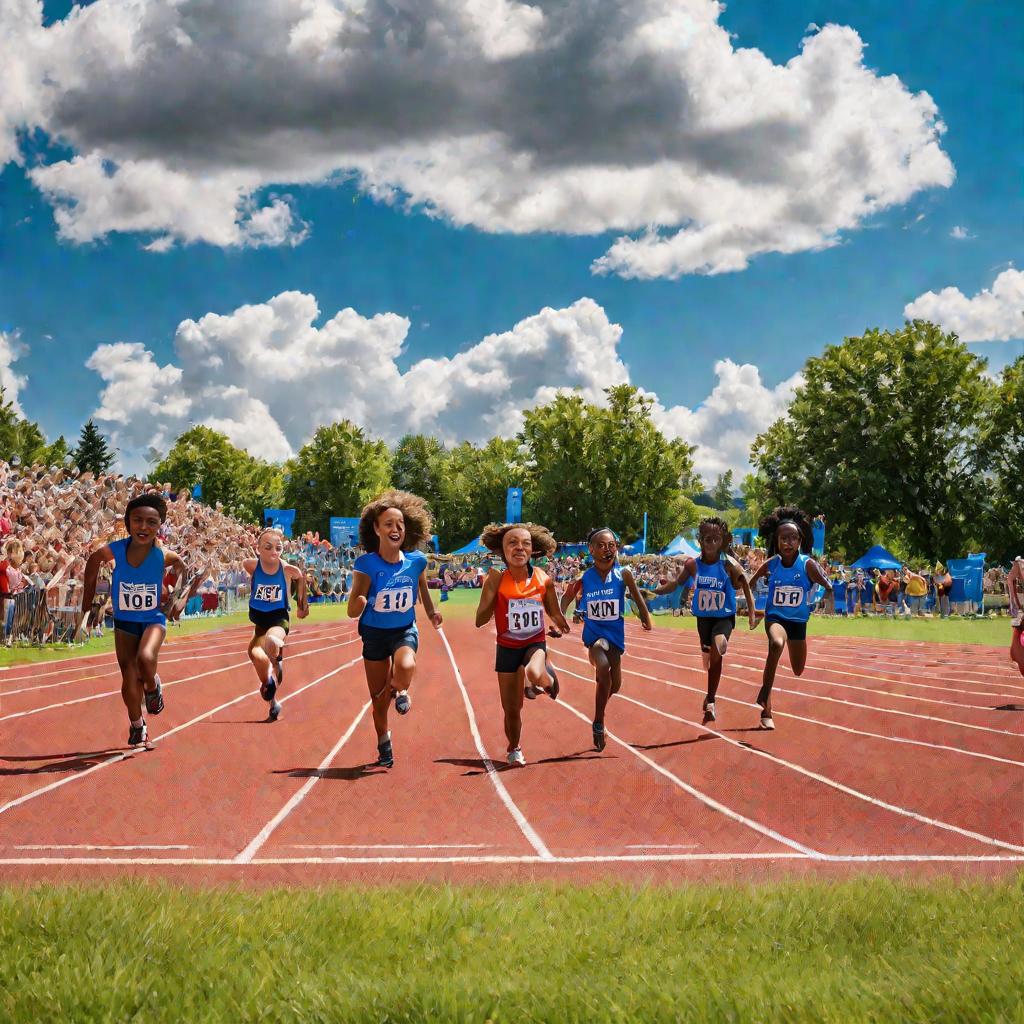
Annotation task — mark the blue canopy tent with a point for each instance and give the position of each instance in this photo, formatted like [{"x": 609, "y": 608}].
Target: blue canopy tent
[
  {"x": 679, "y": 545},
  {"x": 636, "y": 548},
  {"x": 474, "y": 547},
  {"x": 967, "y": 576},
  {"x": 877, "y": 558}
]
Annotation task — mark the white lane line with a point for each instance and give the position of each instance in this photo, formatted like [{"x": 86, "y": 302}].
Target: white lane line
[
  {"x": 126, "y": 755},
  {"x": 258, "y": 841},
  {"x": 824, "y": 779},
  {"x": 708, "y": 801},
  {"x": 816, "y": 721},
  {"x": 517, "y": 815},
  {"x": 387, "y": 846},
  {"x": 91, "y": 846},
  {"x": 661, "y": 846},
  {"x": 172, "y": 682}
]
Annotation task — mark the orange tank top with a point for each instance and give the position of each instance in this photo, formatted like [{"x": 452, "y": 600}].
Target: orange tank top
[{"x": 519, "y": 611}]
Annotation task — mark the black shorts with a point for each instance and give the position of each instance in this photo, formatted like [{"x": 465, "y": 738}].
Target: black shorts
[
  {"x": 512, "y": 659},
  {"x": 264, "y": 621},
  {"x": 711, "y": 627},
  {"x": 381, "y": 644},
  {"x": 794, "y": 630}
]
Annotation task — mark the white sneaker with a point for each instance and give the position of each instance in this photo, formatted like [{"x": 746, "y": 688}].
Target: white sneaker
[
  {"x": 516, "y": 759},
  {"x": 709, "y": 712},
  {"x": 767, "y": 722}
]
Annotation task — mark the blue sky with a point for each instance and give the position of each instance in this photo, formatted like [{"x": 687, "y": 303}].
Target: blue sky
[{"x": 456, "y": 284}]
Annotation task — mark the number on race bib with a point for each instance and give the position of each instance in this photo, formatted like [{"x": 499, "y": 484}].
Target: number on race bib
[
  {"x": 267, "y": 592},
  {"x": 525, "y": 618},
  {"x": 710, "y": 600},
  {"x": 788, "y": 597},
  {"x": 137, "y": 597},
  {"x": 399, "y": 600},
  {"x": 602, "y": 609}
]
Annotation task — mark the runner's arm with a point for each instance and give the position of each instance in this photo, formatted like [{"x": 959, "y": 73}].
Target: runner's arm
[
  {"x": 571, "y": 593},
  {"x": 301, "y": 597},
  {"x": 551, "y": 607},
  {"x": 92, "y": 568},
  {"x": 739, "y": 578},
  {"x": 638, "y": 599},
  {"x": 488, "y": 598},
  {"x": 428, "y": 602},
  {"x": 815, "y": 575},
  {"x": 357, "y": 595}
]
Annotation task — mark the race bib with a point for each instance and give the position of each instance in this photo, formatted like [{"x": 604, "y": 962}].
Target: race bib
[
  {"x": 397, "y": 600},
  {"x": 788, "y": 597},
  {"x": 603, "y": 609},
  {"x": 269, "y": 592},
  {"x": 137, "y": 597},
  {"x": 710, "y": 600},
  {"x": 525, "y": 618}
]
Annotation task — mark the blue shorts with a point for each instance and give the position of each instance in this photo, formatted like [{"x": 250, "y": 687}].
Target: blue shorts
[
  {"x": 381, "y": 644},
  {"x": 137, "y": 628}
]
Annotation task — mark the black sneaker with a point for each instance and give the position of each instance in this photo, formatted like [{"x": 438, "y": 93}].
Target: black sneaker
[
  {"x": 137, "y": 735},
  {"x": 553, "y": 691},
  {"x": 269, "y": 688},
  {"x": 385, "y": 755},
  {"x": 155, "y": 699},
  {"x": 598, "y": 730},
  {"x": 275, "y": 710},
  {"x": 280, "y": 669}
]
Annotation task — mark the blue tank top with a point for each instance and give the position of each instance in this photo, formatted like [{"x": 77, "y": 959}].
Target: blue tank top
[
  {"x": 391, "y": 600},
  {"x": 602, "y": 602},
  {"x": 136, "y": 592},
  {"x": 788, "y": 590},
  {"x": 268, "y": 593},
  {"x": 714, "y": 596}
]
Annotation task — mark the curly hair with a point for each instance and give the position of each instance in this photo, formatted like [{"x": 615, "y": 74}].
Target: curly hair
[
  {"x": 494, "y": 535},
  {"x": 154, "y": 501},
  {"x": 769, "y": 527},
  {"x": 723, "y": 526},
  {"x": 419, "y": 523}
]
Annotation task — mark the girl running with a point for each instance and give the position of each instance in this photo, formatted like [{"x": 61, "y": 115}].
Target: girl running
[
  {"x": 716, "y": 575},
  {"x": 600, "y": 601},
  {"x": 385, "y": 583},
  {"x": 1015, "y": 592},
  {"x": 517, "y": 600},
  {"x": 140, "y": 619},
  {"x": 269, "y": 611},
  {"x": 792, "y": 576}
]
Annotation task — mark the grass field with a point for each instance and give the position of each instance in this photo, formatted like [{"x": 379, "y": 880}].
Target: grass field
[{"x": 869, "y": 950}]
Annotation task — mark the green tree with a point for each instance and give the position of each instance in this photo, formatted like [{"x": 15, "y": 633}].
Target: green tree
[
  {"x": 419, "y": 465},
  {"x": 1003, "y": 441},
  {"x": 721, "y": 494},
  {"x": 883, "y": 438},
  {"x": 20, "y": 438},
  {"x": 335, "y": 474},
  {"x": 592, "y": 466},
  {"x": 243, "y": 484},
  {"x": 93, "y": 454}
]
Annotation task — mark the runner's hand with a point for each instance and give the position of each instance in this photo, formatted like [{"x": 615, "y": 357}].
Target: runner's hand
[
  {"x": 437, "y": 620},
  {"x": 646, "y": 625}
]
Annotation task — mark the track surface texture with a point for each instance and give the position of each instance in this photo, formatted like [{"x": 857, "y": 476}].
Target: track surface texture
[{"x": 901, "y": 757}]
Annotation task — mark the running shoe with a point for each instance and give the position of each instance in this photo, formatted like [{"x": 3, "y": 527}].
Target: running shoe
[
  {"x": 269, "y": 688},
  {"x": 516, "y": 759},
  {"x": 155, "y": 699},
  {"x": 275, "y": 710},
  {"x": 385, "y": 754},
  {"x": 280, "y": 669},
  {"x": 709, "y": 711},
  {"x": 530, "y": 692},
  {"x": 766, "y": 722},
  {"x": 137, "y": 735},
  {"x": 598, "y": 730},
  {"x": 403, "y": 703},
  {"x": 553, "y": 689}
]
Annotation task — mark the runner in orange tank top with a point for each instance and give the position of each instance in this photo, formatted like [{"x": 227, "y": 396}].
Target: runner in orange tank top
[{"x": 518, "y": 599}]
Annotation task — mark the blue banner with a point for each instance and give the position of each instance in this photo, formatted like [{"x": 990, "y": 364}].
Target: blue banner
[
  {"x": 819, "y": 537},
  {"x": 282, "y": 518},
  {"x": 514, "y": 505},
  {"x": 197, "y": 491},
  {"x": 344, "y": 531}
]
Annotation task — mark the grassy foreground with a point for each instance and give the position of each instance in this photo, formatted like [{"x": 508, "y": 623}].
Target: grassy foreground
[{"x": 866, "y": 950}]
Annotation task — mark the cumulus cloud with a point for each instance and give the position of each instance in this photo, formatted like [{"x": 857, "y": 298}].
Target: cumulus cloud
[
  {"x": 11, "y": 348},
  {"x": 960, "y": 233},
  {"x": 581, "y": 117},
  {"x": 994, "y": 314},
  {"x": 266, "y": 376}
]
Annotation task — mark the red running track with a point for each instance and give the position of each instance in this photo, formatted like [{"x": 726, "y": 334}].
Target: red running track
[{"x": 886, "y": 756}]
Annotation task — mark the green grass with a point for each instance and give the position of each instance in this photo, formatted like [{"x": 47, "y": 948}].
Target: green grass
[
  {"x": 865, "y": 950},
  {"x": 187, "y": 627}
]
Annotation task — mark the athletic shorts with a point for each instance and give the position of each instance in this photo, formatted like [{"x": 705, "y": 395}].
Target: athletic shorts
[
  {"x": 711, "y": 627},
  {"x": 612, "y": 646},
  {"x": 137, "y": 628},
  {"x": 512, "y": 659},
  {"x": 794, "y": 630},
  {"x": 264, "y": 621},
  {"x": 381, "y": 644}
]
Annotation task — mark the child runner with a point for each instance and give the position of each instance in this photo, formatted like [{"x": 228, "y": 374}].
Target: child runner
[
  {"x": 269, "y": 611},
  {"x": 1015, "y": 592},
  {"x": 717, "y": 575},
  {"x": 517, "y": 599},
  {"x": 791, "y": 578},
  {"x": 600, "y": 601},
  {"x": 140, "y": 622},
  {"x": 385, "y": 582}
]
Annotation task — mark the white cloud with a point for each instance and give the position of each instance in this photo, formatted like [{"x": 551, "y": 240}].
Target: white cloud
[
  {"x": 960, "y": 233},
  {"x": 582, "y": 117},
  {"x": 11, "y": 349},
  {"x": 266, "y": 376},
  {"x": 995, "y": 314}
]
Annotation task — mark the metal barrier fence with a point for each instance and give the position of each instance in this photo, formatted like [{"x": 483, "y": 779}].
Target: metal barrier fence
[{"x": 29, "y": 619}]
